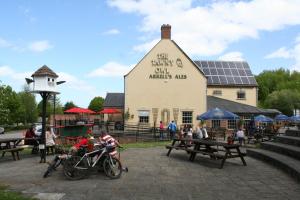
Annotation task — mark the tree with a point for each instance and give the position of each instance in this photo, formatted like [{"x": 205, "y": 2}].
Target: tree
[
  {"x": 10, "y": 106},
  {"x": 284, "y": 100},
  {"x": 68, "y": 105},
  {"x": 50, "y": 107},
  {"x": 28, "y": 110},
  {"x": 96, "y": 104},
  {"x": 276, "y": 80}
]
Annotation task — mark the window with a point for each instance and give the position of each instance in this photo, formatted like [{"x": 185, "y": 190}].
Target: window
[
  {"x": 247, "y": 120},
  {"x": 217, "y": 92},
  {"x": 215, "y": 123},
  {"x": 231, "y": 124},
  {"x": 241, "y": 94},
  {"x": 187, "y": 117},
  {"x": 143, "y": 116},
  {"x": 144, "y": 119}
]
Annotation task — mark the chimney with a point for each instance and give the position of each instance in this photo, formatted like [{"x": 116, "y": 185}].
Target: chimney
[{"x": 166, "y": 31}]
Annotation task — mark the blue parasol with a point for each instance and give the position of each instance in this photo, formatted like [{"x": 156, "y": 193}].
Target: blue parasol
[
  {"x": 281, "y": 117},
  {"x": 217, "y": 114},
  {"x": 262, "y": 118},
  {"x": 295, "y": 119}
]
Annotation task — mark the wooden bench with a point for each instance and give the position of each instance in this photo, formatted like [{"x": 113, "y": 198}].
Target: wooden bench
[
  {"x": 14, "y": 152},
  {"x": 205, "y": 152},
  {"x": 208, "y": 147},
  {"x": 177, "y": 147}
]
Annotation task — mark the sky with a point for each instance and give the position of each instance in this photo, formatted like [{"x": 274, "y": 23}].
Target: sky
[{"x": 92, "y": 44}]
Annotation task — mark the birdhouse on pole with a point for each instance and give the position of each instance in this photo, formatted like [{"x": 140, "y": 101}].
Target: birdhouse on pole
[{"x": 44, "y": 82}]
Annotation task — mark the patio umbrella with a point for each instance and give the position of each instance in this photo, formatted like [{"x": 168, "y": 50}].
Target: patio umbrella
[
  {"x": 295, "y": 119},
  {"x": 80, "y": 110},
  {"x": 281, "y": 117},
  {"x": 262, "y": 118},
  {"x": 217, "y": 114},
  {"x": 109, "y": 111}
]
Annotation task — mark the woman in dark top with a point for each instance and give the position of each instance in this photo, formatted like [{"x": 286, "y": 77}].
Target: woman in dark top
[{"x": 31, "y": 140}]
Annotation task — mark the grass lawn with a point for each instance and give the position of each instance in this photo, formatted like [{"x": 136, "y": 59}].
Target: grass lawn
[{"x": 8, "y": 195}]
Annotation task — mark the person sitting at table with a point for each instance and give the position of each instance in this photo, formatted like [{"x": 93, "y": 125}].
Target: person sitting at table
[
  {"x": 199, "y": 134},
  {"x": 204, "y": 131},
  {"x": 190, "y": 135},
  {"x": 50, "y": 143},
  {"x": 240, "y": 136},
  {"x": 30, "y": 139},
  {"x": 82, "y": 142}
]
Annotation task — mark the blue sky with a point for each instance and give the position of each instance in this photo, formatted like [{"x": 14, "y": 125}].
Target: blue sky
[{"x": 92, "y": 44}]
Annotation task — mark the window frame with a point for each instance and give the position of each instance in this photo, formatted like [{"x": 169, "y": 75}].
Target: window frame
[
  {"x": 215, "y": 122},
  {"x": 217, "y": 92},
  {"x": 187, "y": 119},
  {"x": 144, "y": 119},
  {"x": 231, "y": 124},
  {"x": 241, "y": 92}
]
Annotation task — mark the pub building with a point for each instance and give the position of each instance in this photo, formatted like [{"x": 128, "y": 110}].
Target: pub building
[{"x": 166, "y": 84}]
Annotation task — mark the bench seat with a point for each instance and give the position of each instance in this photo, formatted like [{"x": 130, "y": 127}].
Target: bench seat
[{"x": 14, "y": 152}]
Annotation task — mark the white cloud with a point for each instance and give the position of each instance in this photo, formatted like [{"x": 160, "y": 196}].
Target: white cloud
[
  {"x": 280, "y": 53},
  {"x": 8, "y": 72},
  {"x": 75, "y": 83},
  {"x": 291, "y": 53},
  {"x": 40, "y": 46},
  {"x": 111, "y": 69},
  {"x": 209, "y": 29},
  {"x": 232, "y": 56},
  {"x": 112, "y": 32}
]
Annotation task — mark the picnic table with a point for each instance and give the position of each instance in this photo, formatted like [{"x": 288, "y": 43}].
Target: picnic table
[
  {"x": 10, "y": 145},
  {"x": 216, "y": 150}
]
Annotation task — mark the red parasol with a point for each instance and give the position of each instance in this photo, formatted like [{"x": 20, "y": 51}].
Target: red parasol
[
  {"x": 80, "y": 110},
  {"x": 109, "y": 111}
]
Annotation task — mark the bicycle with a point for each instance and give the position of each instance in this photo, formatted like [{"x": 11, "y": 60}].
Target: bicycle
[
  {"x": 56, "y": 162},
  {"x": 77, "y": 167}
]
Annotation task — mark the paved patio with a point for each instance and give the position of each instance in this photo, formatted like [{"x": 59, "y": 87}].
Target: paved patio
[{"x": 153, "y": 175}]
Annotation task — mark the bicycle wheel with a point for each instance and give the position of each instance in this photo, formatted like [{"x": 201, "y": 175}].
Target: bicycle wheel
[
  {"x": 112, "y": 167},
  {"x": 75, "y": 173},
  {"x": 52, "y": 166}
]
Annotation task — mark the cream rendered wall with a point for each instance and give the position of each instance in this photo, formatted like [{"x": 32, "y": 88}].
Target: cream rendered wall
[
  {"x": 144, "y": 93},
  {"x": 230, "y": 93}
]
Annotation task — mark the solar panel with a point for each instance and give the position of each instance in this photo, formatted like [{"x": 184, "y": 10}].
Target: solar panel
[
  {"x": 204, "y": 64},
  {"x": 252, "y": 80},
  {"x": 230, "y": 80},
  {"x": 242, "y": 72},
  {"x": 245, "y": 80},
  {"x": 239, "y": 65},
  {"x": 227, "y": 72},
  {"x": 209, "y": 80},
  {"x": 213, "y": 71},
  {"x": 232, "y": 65},
  {"x": 206, "y": 71},
  {"x": 220, "y": 71},
  {"x": 246, "y": 66},
  {"x": 248, "y": 73},
  {"x": 218, "y": 64},
  {"x": 223, "y": 80},
  {"x": 237, "y": 79},
  {"x": 215, "y": 80},
  {"x": 234, "y": 72},
  {"x": 225, "y": 64}
]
